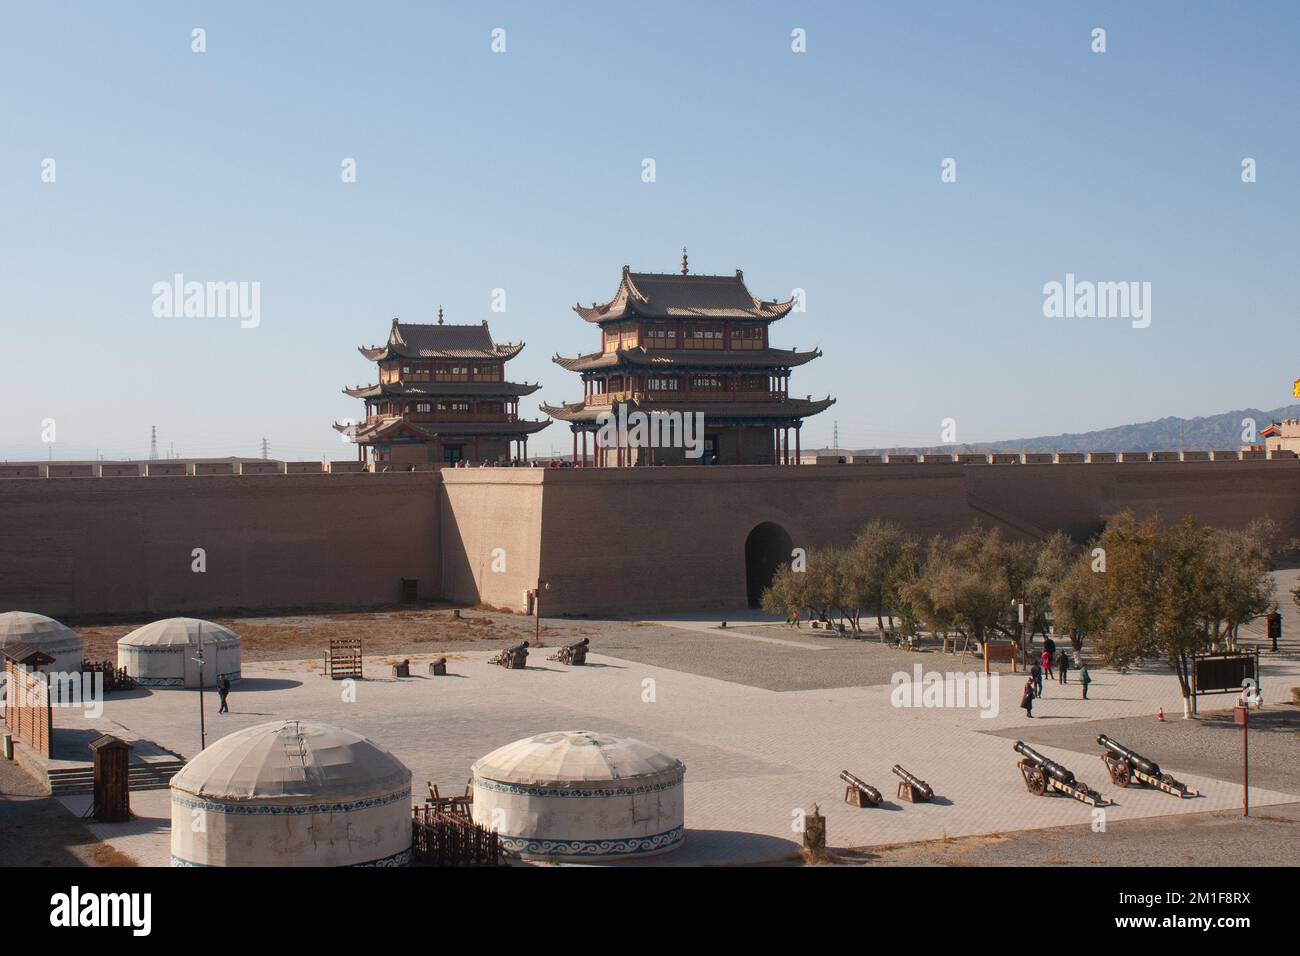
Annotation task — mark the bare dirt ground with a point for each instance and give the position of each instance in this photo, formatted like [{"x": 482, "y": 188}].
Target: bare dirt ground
[
  {"x": 39, "y": 831},
  {"x": 384, "y": 631},
  {"x": 1220, "y": 838}
]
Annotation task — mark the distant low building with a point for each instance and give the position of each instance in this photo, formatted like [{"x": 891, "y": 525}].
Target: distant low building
[{"x": 1278, "y": 436}]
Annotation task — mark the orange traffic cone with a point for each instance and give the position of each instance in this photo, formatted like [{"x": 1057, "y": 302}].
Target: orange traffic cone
[{"x": 1160, "y": 714}]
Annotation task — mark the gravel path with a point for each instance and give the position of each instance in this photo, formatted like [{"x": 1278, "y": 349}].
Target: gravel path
[{"x": 1221, "y": 838}]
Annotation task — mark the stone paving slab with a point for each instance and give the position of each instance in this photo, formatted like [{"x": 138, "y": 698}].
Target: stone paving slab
[{"x": 754, "y": 757}]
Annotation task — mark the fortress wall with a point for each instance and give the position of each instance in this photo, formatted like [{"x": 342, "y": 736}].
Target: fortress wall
[
  {"x": 674, "y": 538},
  {"x": 96, "y": 546},
  {"x": 608, "y": 541},
  {"x": 1075, "y": 498},
  {"x": 485, "y": 509}
]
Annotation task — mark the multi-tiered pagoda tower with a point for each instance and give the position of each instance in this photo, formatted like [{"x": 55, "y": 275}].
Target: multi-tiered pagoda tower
[
  {"x": 689, "y": 343},
  {"x": 442, "y": 398}
]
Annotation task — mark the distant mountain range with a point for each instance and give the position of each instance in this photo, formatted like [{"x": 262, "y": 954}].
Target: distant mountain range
[{"x": 1210, "y": 433}]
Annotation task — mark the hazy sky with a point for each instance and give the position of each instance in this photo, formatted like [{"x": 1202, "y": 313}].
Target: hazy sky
[{"x": 522, "y": 170}]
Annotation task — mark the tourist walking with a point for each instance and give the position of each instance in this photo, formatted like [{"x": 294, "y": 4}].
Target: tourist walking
[
  {"x": 1036, "y": 678},
  {"x": 1084, "y": 677},
  {"x": 223, "y": 690},
  {"x": 1047, "y": 664},
  {"x": 1049, "y": 645},
  {"x": 794, "y": 616},
  {"x": 1062, "y": 666},
  {"x": 1027, "y": 698}
]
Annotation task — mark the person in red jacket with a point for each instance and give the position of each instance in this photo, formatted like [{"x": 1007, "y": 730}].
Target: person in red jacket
[{"x": 1027, "y": 698}]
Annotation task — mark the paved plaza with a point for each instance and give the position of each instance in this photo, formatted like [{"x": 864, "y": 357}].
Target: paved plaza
[{"x": 764, "y": 717}]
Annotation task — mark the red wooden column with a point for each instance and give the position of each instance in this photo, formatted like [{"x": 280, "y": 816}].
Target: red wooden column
[
  {"x": 797, "y": 459},
  {"x": 575, "y": 448}
]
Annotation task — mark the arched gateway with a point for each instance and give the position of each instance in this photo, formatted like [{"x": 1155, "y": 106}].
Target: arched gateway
[{"x": 767, "y": 548}]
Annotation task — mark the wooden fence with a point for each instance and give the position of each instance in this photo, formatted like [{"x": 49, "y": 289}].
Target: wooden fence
[
  {"x": 27, "y": 707},
  {"x": 445, "y": 839}
]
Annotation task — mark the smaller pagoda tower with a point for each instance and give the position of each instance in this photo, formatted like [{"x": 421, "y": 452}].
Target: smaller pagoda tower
[{"x": 441, "y": 398}]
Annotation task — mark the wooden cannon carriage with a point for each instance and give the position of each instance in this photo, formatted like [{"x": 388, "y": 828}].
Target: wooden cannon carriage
[
  {"x": 575, "y": 654},
  {"x": 512, "y": 658},
  {"x": 1125, "y": 766},
  {"x": 1042, "y": 775}
]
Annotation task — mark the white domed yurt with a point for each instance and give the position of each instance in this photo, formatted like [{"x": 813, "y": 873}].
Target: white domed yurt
[
  {"x": 45, "y": 634},
  {"x": 162, "y": 654},
  {"x": 292, "y": 793},
  {"x": 580, "y": 796}
]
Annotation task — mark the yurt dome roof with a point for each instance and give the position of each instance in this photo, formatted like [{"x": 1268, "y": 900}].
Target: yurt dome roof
[
  {"x": 292, "y": 758},
  {"x": 576, "y": 759},
  {"x": 177, "y": 632},
  {"x": 34, "y": 629}
]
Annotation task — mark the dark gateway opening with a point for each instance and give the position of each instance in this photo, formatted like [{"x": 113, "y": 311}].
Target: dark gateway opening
[{"x": 766, "y": 549}]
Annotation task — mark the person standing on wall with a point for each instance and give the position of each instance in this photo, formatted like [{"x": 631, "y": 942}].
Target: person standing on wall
[{"x": 1062, "y": 666}]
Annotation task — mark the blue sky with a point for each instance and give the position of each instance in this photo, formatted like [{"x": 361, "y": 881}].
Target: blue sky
[{"x": 522, "y": 171}]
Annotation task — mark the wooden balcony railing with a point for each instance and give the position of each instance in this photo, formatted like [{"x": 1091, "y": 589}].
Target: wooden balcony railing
[{"x": 721, "y": 395}]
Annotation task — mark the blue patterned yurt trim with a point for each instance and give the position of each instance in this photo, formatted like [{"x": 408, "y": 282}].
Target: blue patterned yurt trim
[
  {"x": 259, "y": 809},
  {"x": 629, "y": 846}
]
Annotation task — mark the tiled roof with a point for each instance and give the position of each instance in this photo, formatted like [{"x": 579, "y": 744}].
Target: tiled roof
[
  {"x": 665, "y": 296},
  {"x": 376, "y": 430},
  {"x": 412, "y": 340}
]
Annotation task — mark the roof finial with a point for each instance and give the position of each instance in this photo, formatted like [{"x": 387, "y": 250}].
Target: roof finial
[
  {"x": 440, "y": 315},
  {"x": 685, "y": 267}
]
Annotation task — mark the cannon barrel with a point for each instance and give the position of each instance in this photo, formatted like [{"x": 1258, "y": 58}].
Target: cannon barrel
[
  {"x": 914, "y": 780},
  {"x": 1050, "y": 767},
  {"x": 1132, "y": 756},
  {"x": 861, "y": 784}
]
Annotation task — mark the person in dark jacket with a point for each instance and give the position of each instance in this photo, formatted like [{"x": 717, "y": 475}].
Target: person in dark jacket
[
  {"x": 1062, "y": 666},
  {"x": 1036, "y": 678},
  {"x": 1027, "y": 698},
  {"x": 223, "y": 690}
]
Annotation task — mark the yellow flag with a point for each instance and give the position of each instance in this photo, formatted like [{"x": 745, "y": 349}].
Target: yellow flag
[{"x": 1295, "y": 388}]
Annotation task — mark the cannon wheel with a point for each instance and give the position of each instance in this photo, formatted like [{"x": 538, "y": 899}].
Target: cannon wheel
[
  {"x": 1035, "y": 779},
  {"x": 1121, "y": 774}
]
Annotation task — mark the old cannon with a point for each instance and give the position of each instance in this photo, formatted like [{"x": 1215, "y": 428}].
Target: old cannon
[
  {"x": 575, "y": 654},
  {"x": 859, "y": 792},
  {"x": 438, "y": 668},
  {"x": 911, "y": 787},
  {"x": 1126, "y": 765},
  {"x": 1042, "y": 774},
  {"x": 512, "y": 658}
]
